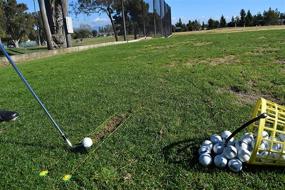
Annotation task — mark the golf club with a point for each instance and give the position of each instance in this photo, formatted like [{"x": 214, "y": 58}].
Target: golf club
[{"x": 86, "y": 142}]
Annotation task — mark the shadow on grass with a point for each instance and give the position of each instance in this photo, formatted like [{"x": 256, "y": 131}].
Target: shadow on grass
[
  {"x": 257, "y": 169},
  {"x": 26, "y": 144},
  {"x": 185, "y": 154},
  {"x": 15, "y": 51}
]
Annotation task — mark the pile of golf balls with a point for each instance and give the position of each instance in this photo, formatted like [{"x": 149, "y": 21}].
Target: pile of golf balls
[{"x": 235, "y": 152}]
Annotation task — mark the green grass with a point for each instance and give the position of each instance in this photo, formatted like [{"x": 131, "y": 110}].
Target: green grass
[{"x": 179, "y": 90}]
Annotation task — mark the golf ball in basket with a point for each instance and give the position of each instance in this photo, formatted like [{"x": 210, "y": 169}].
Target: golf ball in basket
[
  {"x": 235, "y": 165},
  {"x": 208, "y": 143},
  {"x": 225, "y": 135},
  {"x": 244, "y": 155},
  {"x": 247, "y": 138},
  {"x": 204, "y": 149},
  {"x": 241, "y": 145},
  {"x": 220, "y": 161},
  {"x": 264, "y": 145},
  {"x": 265, "y": 134},
  {"x": 262, "y": 154},
  {"x": 282, "y": 137},
  {"x": 230, "y": 152},
  {"x": 218, "y": 148},
  {"x": 215, "y": 139},
  {"x": 205, "y": 159},
  {"x": 87, "y": 142}
]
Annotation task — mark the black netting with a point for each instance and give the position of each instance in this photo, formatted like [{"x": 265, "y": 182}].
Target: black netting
[
  {"x": 153, "y": 19},
  {"x": 159, "y": 14}
]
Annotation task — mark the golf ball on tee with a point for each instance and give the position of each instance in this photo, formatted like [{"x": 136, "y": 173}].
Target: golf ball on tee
[{"x": 87, "y": 142}]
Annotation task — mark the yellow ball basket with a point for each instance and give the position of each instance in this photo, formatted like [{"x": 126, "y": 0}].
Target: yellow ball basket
[{"x": 269, "y": 148}]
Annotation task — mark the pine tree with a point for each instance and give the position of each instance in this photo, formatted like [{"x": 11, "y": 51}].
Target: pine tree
[
  {"x": 203, "y": 26},
  {"x": 223, "y": 22},
  {"x": 248, "y": 19},
  {"x": 242, "y": 18}
]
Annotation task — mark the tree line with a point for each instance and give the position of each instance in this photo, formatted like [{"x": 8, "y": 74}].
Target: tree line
[
  {"x": 15, "y": 23},
  {"x": 49, "y": 24},
  {"x": 245, "y": 19}
]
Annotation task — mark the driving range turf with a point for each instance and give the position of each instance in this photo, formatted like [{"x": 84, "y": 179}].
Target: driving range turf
[{"x": 176, "y": 93}]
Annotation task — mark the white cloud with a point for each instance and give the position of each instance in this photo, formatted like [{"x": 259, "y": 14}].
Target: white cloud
[{"x": 100, "y": 21}]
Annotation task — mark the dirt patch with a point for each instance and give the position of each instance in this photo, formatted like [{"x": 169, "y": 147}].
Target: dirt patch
[
  {"x": 262, "y": 51},
  {"x": 199, "y": 44},
  {"x": 280, "y": 61},
  {"x": 229, "y": 59},
  {"x": 261, "y": 38},
  {"x": 110, "y": 126},
  {"x": 130, "y": 58},
  {"x": 247, "y": 97},
  {"x": 150, "y": 47}
]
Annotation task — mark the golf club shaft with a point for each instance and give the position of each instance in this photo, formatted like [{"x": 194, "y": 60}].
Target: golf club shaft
[
  {"x": 261, "y": 116},
  {"x": 34, "y": 94}
]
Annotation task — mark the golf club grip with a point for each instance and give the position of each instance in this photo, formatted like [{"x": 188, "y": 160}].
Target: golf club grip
[
  {"x": 261, "y": 116},
  {"x": 30, "y": 89}
]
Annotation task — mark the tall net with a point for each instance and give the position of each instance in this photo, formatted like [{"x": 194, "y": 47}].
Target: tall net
[
  {"x": 150, "y": 18},
  {"x": 159, "y": 15}
]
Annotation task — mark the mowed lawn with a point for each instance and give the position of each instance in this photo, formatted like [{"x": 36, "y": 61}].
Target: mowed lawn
[{"x": 178, "y": 90}]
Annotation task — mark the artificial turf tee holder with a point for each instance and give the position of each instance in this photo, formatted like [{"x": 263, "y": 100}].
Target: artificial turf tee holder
[{"x": 85, "y": 144}]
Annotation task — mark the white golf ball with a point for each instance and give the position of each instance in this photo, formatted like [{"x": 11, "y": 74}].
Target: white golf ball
[
  {"x": 244, "y": 155},
  {"x": 241, "y": 145},
  {"x": 251, "y": 145},
  {"x": 208, "y": 143},
  {"x": 225, "y": 135},
  {"x": 277, "y": 147},
  {"x": 264, "y": 145},
  {"x": 233, "y": 142},
  {"x": 215, "y": 139},
  {"x": 263, "y": 154},
  {"x": 205, "y": 159},
  {"x": 282, "y": 137},
  {"x": 87, "y": 142},
  {"x": 230, "y": 152},
  {"x": 275, "y": 155},
  {"x": 204, "y": 149},
  {"x": 218, "y": 148},
  {"x": 247, "y": 138},
  {"x": 220, "y": 161},
  {"x": 235, "y": 165},
  {"x": 265, "y": 134}
]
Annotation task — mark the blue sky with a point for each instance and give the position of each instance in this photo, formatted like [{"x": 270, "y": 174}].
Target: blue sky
[{"x": 191, "y": 9}]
